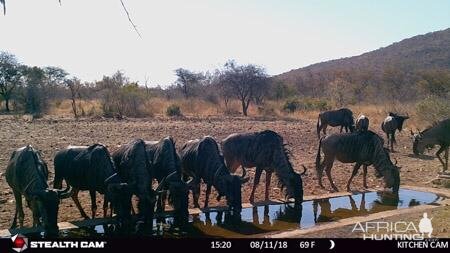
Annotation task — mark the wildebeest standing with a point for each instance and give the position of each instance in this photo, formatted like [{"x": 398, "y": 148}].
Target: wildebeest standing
[
  {"x": 266, "y": 151},
  {"x": 342, "y": 117},
  {"x": 166, "y": 169},
  {"x": 133, "y": 165},
  {"x": 362, "y": 123},
  {"x": 201, "y": 159},
  {"x": 362, "y": 148},
  {"x": 27, "y": 175},
  {"x": 392, "y": 123},
  {"x": 439, "y": 134},
  {"x": 90, "y": 168}
]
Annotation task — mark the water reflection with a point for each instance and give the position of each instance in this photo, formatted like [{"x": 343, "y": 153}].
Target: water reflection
[{"x": 279, "y": 217}]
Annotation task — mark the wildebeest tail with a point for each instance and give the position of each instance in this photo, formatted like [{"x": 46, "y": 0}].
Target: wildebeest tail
[
  {"x": 318, "y": 167},
  {"x": 318, "y": 127},
  {"x": 58, "y": 165}
]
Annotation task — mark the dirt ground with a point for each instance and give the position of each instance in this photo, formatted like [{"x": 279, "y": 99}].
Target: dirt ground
[{"x": 51, "y": 134}]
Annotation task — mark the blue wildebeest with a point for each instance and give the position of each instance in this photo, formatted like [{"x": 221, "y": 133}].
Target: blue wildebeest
[
  {"x": 392, "y": 123},
  {"x": 362, "y": 148},
  {"x": 134, "y": 168},
  {"x": 90, "y": 168},
  {"x": 166, "y": 169},
  {"x": 266, "y": 151},
  {"x": 439, "y": 134},
  {"x": 27, "y": 175},
  {"x": 342, "y": 117},
  {"x": 202, "y": 160},
  {"x": 362, "y": 123}
]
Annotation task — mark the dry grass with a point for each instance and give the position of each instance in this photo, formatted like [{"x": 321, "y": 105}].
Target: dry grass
[{"x": 201, "y": 108}]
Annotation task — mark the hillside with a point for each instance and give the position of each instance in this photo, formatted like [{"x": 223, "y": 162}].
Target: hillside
[{"x": 422, "y": 52}]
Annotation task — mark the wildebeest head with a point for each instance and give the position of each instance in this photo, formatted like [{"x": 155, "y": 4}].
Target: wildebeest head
[
  {"x": 119, "y": 194},
  {"x": 47, "y": 202},
  {"x": 116, "y": 192},
  {"x": 390, "y": 174},
  {"x": 230, "y": 186},
  {"x": 294, "y": 187},
  {"x": 178, "y": 195},
  {"x": 420, "y": 143}
]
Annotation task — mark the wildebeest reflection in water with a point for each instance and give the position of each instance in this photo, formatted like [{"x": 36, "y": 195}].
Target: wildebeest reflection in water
[{"x": 276, "y": 217}]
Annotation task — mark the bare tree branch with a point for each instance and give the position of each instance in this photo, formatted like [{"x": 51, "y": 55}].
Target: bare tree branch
[
  {"x": 129, "y": 19},
  {"x": 4, "y": 6}
]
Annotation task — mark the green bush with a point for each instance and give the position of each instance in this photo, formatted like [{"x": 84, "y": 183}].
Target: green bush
[
  {"x": 173, "y": 111},
  {"x": 308, "y": 104},
  {"x": 433, "y": 109}
]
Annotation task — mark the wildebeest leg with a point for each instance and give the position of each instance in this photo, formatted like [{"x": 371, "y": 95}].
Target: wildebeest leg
[
  {"x": 35, "y": 212},
  {"x": 105, "y": 206},
  {"x": 208, "y": 192},
  {"x": 328, "y": 171},
  {"x": 324, "y": 126},
  {"x": 93, "y": 203},
  {"x": 77, "y": 203},
  {"x": 392, "y": 141},
  {"x": 196, "y": 194},
  {"x": 446, "y": 159},
  {"x": 341, "y": 129},
  {"x": 354, "y": 172},
  {"x": 19, "y": 210},
  {"x": 387, "y": 137},
  {"x": 268, "y": 177},
  {"x": 161, "y": 205},
  {"x": 365, "y": 176},
  {"x": 255, "y": 183},
  {"x": 438, "y": 154}
]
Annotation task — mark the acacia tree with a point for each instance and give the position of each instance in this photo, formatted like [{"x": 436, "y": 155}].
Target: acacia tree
[
  {"x": 187, "y": 80},
  {"x": 245, "y": 82},
  {"x": 74, "y": 86},
  {"x": 10, "y": 76},
  {"x": 54, "y": 77}
]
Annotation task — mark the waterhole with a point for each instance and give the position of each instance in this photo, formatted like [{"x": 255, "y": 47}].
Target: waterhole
[{"x": 275, "y": 217}]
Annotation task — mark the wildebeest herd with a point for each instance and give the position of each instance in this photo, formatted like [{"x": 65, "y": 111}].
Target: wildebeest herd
[{"x": 154, "y": 171}]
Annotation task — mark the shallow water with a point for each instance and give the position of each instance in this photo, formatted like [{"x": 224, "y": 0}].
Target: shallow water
[{"x": 277, "y": 217}]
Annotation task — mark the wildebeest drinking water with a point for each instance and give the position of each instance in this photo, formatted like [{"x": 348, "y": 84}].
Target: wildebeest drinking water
[
  {"x": 201, "y": 159},
  {"x": 140, "y": 162},
  {"x": 362, "y": 123},
  {"x": 392, "y": 123},
  {"x": 91, "y": 168},
  {"x": 266, "y": 151},
  {"x": 342, "y": 117},
  {"x": 27, "y": 175},
  {"x": 166, "y": 169},
  {"x": 133, "y": 165},
  {"x": 362, "y": 148},
  {"x": 439, "y": 134}
]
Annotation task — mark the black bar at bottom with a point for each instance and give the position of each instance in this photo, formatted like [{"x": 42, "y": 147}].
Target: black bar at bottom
[{"x": 151, "y": 244}]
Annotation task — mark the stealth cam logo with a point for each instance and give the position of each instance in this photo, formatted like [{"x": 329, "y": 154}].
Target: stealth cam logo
[{"x": 20, "y": 243}]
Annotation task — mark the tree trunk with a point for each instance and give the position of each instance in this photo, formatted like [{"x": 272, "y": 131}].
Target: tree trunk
[
  {"x": 245, "y": 107},
  {"x": 7, "y": 104},
  {"x": 74, "y": 108},
  {"x": 244, "y": 110}
]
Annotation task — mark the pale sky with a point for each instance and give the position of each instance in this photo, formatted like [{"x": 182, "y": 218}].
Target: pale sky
[{"x": 92, "y": 38}]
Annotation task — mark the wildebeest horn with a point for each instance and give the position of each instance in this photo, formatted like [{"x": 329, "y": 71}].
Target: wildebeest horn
[
  {"x": 189, "y": 181},
  {"x": 244, "y": 172},
  {"x": 62, "y": 194},
  {"x": 304, "y": 170},
  {"x": 161, "y": 185}
]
